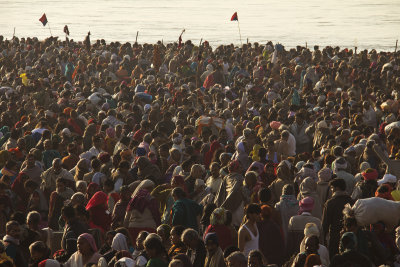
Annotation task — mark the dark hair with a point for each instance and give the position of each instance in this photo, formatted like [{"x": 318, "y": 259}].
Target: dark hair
[
  {"x": 264, "y": 195},
  {"x": 109, "y": 183},
  {"x": 257, "y": 254},
  {"x": 68, "y": 212},
  {"x": 178, "y": 192},
  {"x": 338, "y": 182},
  {"x": 229, "y": 250},
  {"x": 154, "y": 242},
  {"x": 178, "y": 229},
  {"x": 253, "y": 208}
]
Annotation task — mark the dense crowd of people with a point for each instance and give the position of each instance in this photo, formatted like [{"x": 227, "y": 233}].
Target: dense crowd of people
[{"x": 192, "y": 156}]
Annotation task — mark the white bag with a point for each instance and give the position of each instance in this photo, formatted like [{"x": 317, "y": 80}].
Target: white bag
[{"x": 372, "y": 210}]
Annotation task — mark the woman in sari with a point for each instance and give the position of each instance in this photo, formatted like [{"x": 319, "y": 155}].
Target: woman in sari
[
  {"x": 87, "y": 252},
  {"x": 110, "y": 141},
  {"x": 76, "y": 125},
  {"x": 98, "y": 210},
  {"x": 142, "y": 213}
]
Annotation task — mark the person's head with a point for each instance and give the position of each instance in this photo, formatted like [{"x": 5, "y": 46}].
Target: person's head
[
  {"x": 57, "y": 165},
  {"x": 125, "y": 193},
  {"x": 264, "y": 195},
  {"x": 312, "y": 244},
  {"x": 250, "y": 179},
  {"x": 33, "y": 219},
  {"x": 350, "y": 224},
  {"x": 255, "y": 259},
  {"x": 13, "y": 229},
  {"x": 348, "y": 241},
  {"x": 337, "y": 184},
  {"x": 253, "y": 212},
  {"x": 176, "y": 263},
  {"x": 140, "y": 240},
  {"x": 214, "y": 169},
  {"x": 178, "y": 193},
  {"x": 153, "y": 246},
  {"x": 60, "y": 184},
  {"x": 109, "y": 237},
  {"x": 211, "y": 243},
  {"x": 81, "y": 186},
  {"x": 39, "y": 251},
  {"x": 96, "y": 140},
  {"x": 68, "y": 213},
  {"x": 190, "y": 238},
  {"x": 30, "y": 160},
  {"x": 176, "y": 234},
  {"x": 236, "y": 259},
  {"x": 30, "y": 186},
  {"x": 86, "y": 244},
  {"x": 164, "y": 231},
  {"x": 197, "y": 171}
]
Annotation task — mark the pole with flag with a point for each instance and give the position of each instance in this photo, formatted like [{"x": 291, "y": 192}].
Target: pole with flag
[
  {"x": 66, "y": 30},
  {"x": 236, "y": 18},
  {"x": 180, "y": 39},
  {"x": 44, "y": 21}
]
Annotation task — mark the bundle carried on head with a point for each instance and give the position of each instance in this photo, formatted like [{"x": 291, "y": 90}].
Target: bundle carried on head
[{"x": 372, "y": 210}]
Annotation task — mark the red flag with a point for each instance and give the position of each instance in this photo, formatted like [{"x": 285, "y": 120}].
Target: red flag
[
  {"x": 43, "y": 19},
  {"x": 234, "y": 17},
  {"x": 66, "y": 30}
]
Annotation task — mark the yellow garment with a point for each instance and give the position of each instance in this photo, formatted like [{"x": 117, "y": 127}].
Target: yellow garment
[
  {"x": 254, "y": 153},
  {"x": 25, "y": 79}
]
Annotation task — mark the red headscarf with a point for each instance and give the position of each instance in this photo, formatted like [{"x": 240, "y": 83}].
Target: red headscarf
[
  {"x": 143, "y": 200},
  {"x": 234, "y": 166},
  {"x": 99, "y": 216},
  {"x": 370, "y": 174}
]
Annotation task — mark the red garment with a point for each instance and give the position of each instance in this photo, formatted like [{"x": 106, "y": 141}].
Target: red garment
[
  {"x": 209, "y": 81},
  {"x": 75, "y": 126},
  {"x": 99, "y": 216},
  {"x": 138, "y": 136},
  {"x": 370, "y": 174},
  {"x": 18, "y": 188},
  {"x": 215, "y": 145},
  {"x": 223, "y": 232}
]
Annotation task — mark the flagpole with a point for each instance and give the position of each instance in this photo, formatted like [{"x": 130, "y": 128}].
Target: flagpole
[
  {"x": 240, "y": 35},
  {"x": 49, "y": 29}
]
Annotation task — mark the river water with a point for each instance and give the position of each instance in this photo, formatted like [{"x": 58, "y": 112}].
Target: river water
[{"x": 363, "y": 23}]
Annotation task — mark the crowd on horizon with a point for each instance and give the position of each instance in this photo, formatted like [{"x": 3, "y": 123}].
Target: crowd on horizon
[{"x": 191, "y": 156}]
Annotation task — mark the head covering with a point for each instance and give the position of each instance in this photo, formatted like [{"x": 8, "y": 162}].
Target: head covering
[
  {"x": 370, "y": 174},
  {"x": 126, "y": 262},
  {"x": 325, "y": 175},
  {"x": 364, "y": 165},
  {"x": 145, "y": 184},
  {"x": 388, "y": 178},
  {"x": 90, "y": 239},
  {"x": 234, "y": 166},
  {"x": 97, "y": 199},
  {"x": 49, "y": 263},
  {"x": 275, "y": 125},
  {"x": 300, "y": 165},
  {"x": 119, "y": 242},
  {"x": 306, "y": 205},
  {"x": 308, "y": 186},
  {"x": 311, "y": 229},
  {"x": 211, "y": 237},
  {"x": 339, "y": 164},
  {"x": 218, "y": 217},
  {"x": 348, "y": 241}
]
